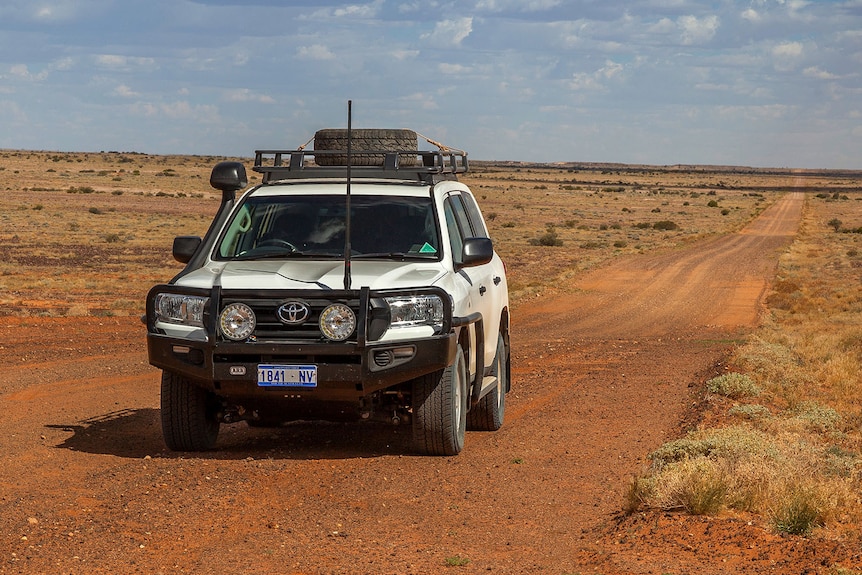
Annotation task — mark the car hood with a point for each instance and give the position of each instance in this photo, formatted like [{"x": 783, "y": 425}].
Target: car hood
[{"x": 308, "y": 274}]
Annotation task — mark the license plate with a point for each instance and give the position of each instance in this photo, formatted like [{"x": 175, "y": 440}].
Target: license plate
[{"x": 287, "y": 375}]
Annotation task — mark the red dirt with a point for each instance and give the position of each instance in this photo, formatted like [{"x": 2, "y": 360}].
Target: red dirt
[{"x": 603, "y": 374}]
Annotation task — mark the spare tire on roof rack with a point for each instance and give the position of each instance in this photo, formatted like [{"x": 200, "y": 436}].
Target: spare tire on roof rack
[{"x": 365, "y": 140}]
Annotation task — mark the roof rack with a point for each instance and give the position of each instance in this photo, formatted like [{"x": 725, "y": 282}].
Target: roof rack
[{"x": 424, "y": 166}]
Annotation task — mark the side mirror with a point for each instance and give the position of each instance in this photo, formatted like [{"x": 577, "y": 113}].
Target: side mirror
[
  {"x": 228, "y": 176},
  {"x": 476, "y": 252},
  {"x": 185, "y": 247}
]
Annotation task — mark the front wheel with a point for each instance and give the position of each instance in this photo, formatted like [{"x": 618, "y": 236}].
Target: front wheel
[
  {"x": 440, "y": 409},
  {"x": 189, "y": 414}
]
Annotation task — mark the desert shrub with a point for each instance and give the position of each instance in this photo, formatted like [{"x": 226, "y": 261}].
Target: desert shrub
[
  {"x": 620, "y": 244},
  {"x": 491, "y": 216},
  {"x": 731, "y": 442},
  {"x": 772, "y": 363},
  {"x": 815, "y": 416},
  {"x": 643, "y": 225},
  {"x": 750, "y": 411},
  {"x": 96, "y": 211},
  {"x": 549, "y": 238},
  {"x": 798, "y": 510},
  {"x": 112, "y": 238},
  {"x": 712, "y": 204},
  {"x": 733, "y": 385},
  {"x": 665, "y": 225},
  {"x": 509, "y": 225},
  {"x": 835, "y": 224}
]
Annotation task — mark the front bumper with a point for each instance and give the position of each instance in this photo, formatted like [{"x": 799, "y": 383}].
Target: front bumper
[{"x": 345, "y": 371}]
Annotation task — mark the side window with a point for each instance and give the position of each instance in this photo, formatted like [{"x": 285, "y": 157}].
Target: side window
[
  {"x": 456, "y": 240},
  {"x": 479, "y": 230}
]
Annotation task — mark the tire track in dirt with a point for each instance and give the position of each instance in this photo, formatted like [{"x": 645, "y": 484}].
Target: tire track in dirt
[{"x": 716, "y": 283}]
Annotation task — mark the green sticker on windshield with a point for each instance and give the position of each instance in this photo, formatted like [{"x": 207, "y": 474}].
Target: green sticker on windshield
[{"x": 427, "y": 249}]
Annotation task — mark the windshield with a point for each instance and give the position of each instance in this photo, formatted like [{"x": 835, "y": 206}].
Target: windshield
[{"x": 313, "y": 226}]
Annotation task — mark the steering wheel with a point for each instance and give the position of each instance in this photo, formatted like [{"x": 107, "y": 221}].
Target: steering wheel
[{"x": 277, "y": 242}]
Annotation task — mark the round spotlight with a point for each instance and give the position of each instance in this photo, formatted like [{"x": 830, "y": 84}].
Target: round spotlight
[
  {"x": 337, "y": 322},
  {"x": 237, "y": 321}
]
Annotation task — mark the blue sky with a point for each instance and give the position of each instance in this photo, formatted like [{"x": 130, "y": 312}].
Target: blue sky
[{"x": 771, "y": 83}]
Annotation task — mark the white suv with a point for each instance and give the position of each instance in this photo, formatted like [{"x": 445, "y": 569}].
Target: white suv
[{"x": 329, "y": 291}]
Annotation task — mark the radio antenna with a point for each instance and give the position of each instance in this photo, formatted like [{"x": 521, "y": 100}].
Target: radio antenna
[{"x": 347, "y": 247}]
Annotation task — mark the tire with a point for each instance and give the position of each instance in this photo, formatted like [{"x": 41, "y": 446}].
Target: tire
[
  {"x": 488, "y": 414},
  {"x": 189, "y": 415},
  {"x": 364, "y": 140},
  {"x": 440, "y": 409}
]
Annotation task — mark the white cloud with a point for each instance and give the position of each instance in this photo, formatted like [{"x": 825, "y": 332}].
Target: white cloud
[
  {"x": 246, "y": 95},
  {"x": 816, "y": 72},
  {"x": 180, "y": 110},
  {"x": 119, "y": 62},
  {"x": 22, "y": 71},
  {"x": 610, "y": 70},
  {"x": 125, "y": 92},
  {"x": 447, "y": 68},
  {"x": 787, "y": 50},
  {"x": 402, "y": 55},
  {"x": 359, "y": 10},
  {"x": 315, "y": 52},
  {"x": 786, "y": 55},
  {"x": 450, "y": 33},
  {"x": 751, "y": 15},
  {"x": 518, "y": 5},
  {"x": 421, "y": 100},
  {"x": 697, "y": 30},
  {"x": 663, "y": 26},
  {"x": 582, "y": 81}
]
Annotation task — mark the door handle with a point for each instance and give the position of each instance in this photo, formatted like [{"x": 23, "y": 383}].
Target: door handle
[
  {"x": 482, "y": 290},
  {"x": 497, "y": 280}
]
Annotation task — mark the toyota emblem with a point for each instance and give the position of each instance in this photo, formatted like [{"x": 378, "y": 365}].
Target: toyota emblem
[{"x": 293, "y": 313}]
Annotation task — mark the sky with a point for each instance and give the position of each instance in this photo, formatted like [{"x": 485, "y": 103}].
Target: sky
[{"x": 764, "y": 83}]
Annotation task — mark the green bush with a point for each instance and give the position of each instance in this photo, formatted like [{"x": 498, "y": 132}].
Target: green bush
[
  {"x": 665, "y": 225},
  {"x": 549, "y": 238},
  {"x": 733, "y": 385}
]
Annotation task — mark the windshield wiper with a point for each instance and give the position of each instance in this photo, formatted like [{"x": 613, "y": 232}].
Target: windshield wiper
[
  {"x": 391, "y": 255},
  {"x": 285, "y": 255}
]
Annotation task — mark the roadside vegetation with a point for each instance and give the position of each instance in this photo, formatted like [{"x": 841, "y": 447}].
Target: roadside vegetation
[{"x": 781, "y": 432}]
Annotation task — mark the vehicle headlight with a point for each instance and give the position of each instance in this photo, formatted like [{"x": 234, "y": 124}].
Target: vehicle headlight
[
  {"x": 181, "y": 309},
  {"x": 410, "y": 311},
  {"x": 337, "y": 322},
  {"x": 237, "y": 321}
]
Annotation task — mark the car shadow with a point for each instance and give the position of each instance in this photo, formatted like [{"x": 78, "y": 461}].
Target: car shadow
[{"x": 136, "y": 433}]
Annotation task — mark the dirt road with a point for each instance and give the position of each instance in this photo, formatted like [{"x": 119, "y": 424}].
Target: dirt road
[{"x": 601, "y": 378}]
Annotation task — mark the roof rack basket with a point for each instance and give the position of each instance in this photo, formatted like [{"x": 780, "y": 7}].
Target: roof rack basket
[{"x": 423, "y": 166}]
